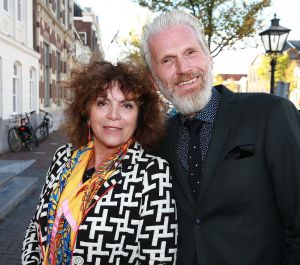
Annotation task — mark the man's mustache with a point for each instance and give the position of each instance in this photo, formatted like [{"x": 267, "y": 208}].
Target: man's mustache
[{"x": 189, "y": 76}]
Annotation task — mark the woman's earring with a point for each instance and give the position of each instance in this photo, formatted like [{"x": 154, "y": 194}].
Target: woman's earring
[{"x": 89, "y": 131}]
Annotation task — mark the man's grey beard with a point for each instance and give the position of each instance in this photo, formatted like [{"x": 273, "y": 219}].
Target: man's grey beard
[{"x": 192, "y": 102}]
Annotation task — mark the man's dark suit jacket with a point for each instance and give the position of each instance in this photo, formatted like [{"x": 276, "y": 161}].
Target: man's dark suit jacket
[{"x": 247, "y": 210}]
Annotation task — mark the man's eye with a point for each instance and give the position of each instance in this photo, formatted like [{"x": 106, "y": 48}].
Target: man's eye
[
  {"x": 167, "y": 60},
  {"x": 189, "y": 52}
]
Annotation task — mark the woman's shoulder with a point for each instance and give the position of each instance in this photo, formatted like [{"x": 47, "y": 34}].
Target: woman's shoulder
[
  {"x": 138, "y": 152},
  {"x": 154, "y": 169},
  {"x": 63, "y": 152}
]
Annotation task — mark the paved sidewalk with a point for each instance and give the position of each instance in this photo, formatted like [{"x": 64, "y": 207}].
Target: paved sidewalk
[{"x": 14, "y": 224}]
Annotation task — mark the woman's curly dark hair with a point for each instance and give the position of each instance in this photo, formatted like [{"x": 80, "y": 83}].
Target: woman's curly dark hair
[{"x": 93, "y": 80}]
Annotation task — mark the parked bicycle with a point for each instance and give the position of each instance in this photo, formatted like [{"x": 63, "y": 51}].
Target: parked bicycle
[
  {"x": 42, "y": 131},
  {"x": 21, "y": 133}
]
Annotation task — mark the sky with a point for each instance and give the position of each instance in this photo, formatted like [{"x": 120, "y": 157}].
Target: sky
[
  {"x": 118, "y": 17},
  {"x": 237, "y": 62}
]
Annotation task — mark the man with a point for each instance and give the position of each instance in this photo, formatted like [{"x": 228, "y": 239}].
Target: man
[{"x": 243, "y": 207}]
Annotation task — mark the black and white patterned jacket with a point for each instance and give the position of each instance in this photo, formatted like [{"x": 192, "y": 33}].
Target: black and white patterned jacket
[{"x": 133, "y": 221}]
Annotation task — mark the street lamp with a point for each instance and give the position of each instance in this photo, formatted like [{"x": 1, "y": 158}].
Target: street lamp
[{"x": 274, "y": 39}]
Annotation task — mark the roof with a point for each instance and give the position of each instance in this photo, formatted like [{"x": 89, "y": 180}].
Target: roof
[
  {"x": 294, "y": 44},
  {"x": 234, "y": 77}
]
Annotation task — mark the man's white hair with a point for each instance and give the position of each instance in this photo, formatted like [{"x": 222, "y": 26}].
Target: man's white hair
[{"x": 171, "y": 18}]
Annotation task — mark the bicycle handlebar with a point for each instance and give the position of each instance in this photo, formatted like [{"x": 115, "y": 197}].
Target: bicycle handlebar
[{"x": 46, "y": 112}]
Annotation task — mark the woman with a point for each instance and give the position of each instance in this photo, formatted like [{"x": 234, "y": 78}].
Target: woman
[{"x": 106, "y": 200}]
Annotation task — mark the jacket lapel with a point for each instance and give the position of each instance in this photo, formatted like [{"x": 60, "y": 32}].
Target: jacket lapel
[
  {"x": 169, "y": 152},
  {"x": 220, "y": 131}
]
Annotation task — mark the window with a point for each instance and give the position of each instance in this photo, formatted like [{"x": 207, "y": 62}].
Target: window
[
  {"x": 68, "y": 14},
  {"x": 47, "y": 74},
  {"x": 58, "y": 9},
  {"x": 32, "y": 89},
  {"x": 58, "y": 76},
  {"x": 64, "y": 17},
  {"x": 16, "y": 88},
  {"x": 58, "y": 66},
  {"x": 19, "y": 10},
  {"x": 83, "y": 37},
  {"x": 5, "y": 5}
]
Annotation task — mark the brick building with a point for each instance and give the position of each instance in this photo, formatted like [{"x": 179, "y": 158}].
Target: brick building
[
  {"x": 53, "y": 39},
  {"x": 87, "y": 26}
]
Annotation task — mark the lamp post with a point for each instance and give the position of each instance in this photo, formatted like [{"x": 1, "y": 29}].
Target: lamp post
[{"x": 274, "y": 39}]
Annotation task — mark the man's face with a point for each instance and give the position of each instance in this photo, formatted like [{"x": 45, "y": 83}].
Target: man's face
[{"x": 182, "y": 70}]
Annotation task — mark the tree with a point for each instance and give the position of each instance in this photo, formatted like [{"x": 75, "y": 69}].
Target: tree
[
  {"x": 282, "y": 64},
  {"x": 132, "y": 45},
  {"x": 218, "y": 80},
  {"x": 225, "y": 22},
  {"x": 284, "y": 68}
]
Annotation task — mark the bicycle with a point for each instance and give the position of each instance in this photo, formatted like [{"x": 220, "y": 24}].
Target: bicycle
[
  {"x": 42, "y": 131},
  {"x": 21, "y": 133}
]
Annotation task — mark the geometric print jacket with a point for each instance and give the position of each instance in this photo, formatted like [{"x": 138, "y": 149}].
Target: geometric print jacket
[{"x": 133, "y": 220}]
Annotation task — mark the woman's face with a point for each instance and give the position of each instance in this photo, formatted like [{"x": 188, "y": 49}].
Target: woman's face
[{"x": 113, "y": 119}]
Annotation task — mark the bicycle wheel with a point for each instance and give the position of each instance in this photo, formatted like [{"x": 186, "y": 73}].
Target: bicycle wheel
[
  {"x": 50, "y": 122},
  {"x": 47, "y": 132},
  {"x": 41, "y": 133},
  {"x": 35, "y": 140},
  {"x": 27, "y": 142},
  {"x": 14, "y": 140}
]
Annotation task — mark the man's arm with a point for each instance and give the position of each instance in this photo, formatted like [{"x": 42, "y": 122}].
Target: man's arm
[{"x": 283, "y": 162}]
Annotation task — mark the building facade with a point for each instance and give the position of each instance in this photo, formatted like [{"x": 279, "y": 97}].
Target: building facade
[
  {"x": 289, "y": 85},
  {"x": 235, "y": 82},
  {"x": 256, "y": 83},
  {"x": 39, "y": 46},
  {"x": 293, "y": 49},
  {"x": 19, "y": 64},
  {"x": 87, "y": 27},
  {"x": 53, "y": 40}
]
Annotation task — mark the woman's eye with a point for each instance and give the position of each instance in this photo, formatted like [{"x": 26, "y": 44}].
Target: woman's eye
[
  {"x": 128, "y": 105},
  {"x": 101, "y": 103}
]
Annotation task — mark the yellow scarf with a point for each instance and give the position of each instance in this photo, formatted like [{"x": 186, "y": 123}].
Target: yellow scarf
[{"x": 72, "y": 200}]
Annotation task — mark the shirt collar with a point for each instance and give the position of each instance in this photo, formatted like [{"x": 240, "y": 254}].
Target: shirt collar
[{"x": 210, "y": 110}]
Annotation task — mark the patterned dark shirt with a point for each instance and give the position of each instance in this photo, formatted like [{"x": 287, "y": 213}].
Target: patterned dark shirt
[{"x": 207, "y": 115}]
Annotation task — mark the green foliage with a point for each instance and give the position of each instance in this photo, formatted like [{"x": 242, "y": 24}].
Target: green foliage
[
  {"x": 218, "y": 80},
  {"x": 281, "y": 67},
  {"x": 283, "y": 71},
  {"x": 264, "y": 69},
  {"x": 132, "y": 47},
  {"x": 233, "y": 86},
  {"x": 225, "y": 21}
]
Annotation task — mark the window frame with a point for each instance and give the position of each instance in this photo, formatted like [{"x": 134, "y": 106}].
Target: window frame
[
  {"x": 16, "y": 85},
  {"x": 32, "y": 88},
  {"x": 19, "y": 10},
  {"x": 6, "y": 6},
  {"x": 47, "y": 75}
]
